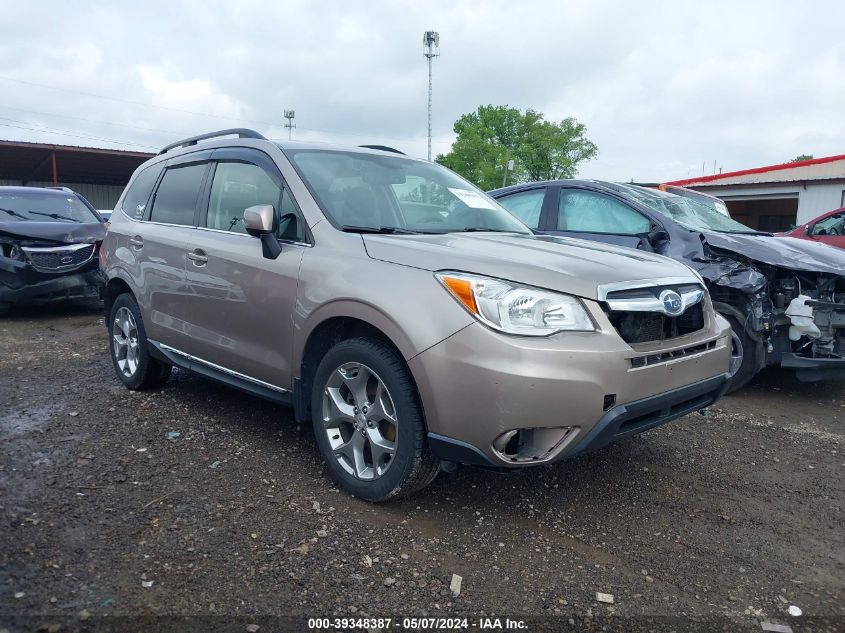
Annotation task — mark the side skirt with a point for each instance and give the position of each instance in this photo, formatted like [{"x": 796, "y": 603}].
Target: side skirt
[{"x": 220, "y": 374}]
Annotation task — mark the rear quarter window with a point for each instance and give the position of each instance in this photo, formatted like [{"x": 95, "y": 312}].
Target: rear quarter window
[{"x": 138, "y": 195}]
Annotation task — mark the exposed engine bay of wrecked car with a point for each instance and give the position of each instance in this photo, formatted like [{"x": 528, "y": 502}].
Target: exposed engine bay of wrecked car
[{"x": 790, "y": 297}]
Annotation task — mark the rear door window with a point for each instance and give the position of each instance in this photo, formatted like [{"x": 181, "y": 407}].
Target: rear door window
[{"x": 175, "y": 200}]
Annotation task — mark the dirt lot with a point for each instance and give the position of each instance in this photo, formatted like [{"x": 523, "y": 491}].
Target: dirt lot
[{"x": 726, "y": 518}]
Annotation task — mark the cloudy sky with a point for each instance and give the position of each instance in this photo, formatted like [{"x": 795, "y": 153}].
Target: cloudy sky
[{"x": 662, "y": 87}]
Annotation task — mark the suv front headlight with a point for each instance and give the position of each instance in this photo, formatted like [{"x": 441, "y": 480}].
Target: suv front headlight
[{"x": 514, "y": 308}]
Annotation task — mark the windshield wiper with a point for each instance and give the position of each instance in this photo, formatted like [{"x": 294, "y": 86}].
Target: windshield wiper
[
  {"x": 380, "y": 230},
  {"x": 745, "y": 232},
  {"x": 13, "y": 212},
  {"x": 55, "y": 216}
]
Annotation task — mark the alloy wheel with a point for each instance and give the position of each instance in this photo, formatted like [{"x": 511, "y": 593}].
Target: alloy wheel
[
  {"x": 125, "y": 342},
  {"x": 360, "y": 422},
  {"x": 737, "y": 353}
]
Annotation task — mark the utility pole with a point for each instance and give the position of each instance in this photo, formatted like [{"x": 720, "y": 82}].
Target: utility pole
[
  {"x": 289, "y": 114},
  {"x": 508, "y": 166},
  {"x": 431, "y": 49}
]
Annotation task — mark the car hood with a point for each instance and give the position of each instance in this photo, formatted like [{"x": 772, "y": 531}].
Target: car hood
[
  {"x": 785, "y": 252},
  {"x": 567, "y": 265},
  {"x": 61, "y": 232}
]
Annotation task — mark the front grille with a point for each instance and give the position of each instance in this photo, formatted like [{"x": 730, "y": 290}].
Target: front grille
[
  {"x": 645, "y": 314},
  {"x": 60, "y": 258},
  {"x": 645, "y": 327}
]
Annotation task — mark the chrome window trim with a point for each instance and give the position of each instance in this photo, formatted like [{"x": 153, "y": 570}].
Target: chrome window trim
[
  {"x": 605, "y": 289},
  {"x": 205, "y": 228},
  {"x": 179, "y": 226},
  {"x": 225, "y": 370}
]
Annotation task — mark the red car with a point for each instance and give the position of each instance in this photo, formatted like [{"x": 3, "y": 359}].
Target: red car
[{"x": 828, "y": 228}]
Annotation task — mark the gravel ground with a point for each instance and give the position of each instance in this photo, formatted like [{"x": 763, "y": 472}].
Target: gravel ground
[{"x": 198, "y": 500}]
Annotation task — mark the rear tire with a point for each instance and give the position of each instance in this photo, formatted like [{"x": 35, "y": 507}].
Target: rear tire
[
  {"x": 743, "y": 356},
  {"x": 129, "y": 348},
  {"x": 369, "y": 423}
]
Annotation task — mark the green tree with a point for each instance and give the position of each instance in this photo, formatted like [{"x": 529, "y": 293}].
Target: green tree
[
  {"x": 541, "y": 150},
  {"x": 801, "y": 157}
]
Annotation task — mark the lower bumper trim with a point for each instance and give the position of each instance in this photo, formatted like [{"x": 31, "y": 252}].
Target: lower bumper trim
[
  {"x": 641, "y": 415},
  {"x": 452, "y": 450}
]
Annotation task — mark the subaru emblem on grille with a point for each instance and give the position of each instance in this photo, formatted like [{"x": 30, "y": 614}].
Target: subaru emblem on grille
[
  {"x": 673, "y": 305},
  {"x": 67, "y": 259}
]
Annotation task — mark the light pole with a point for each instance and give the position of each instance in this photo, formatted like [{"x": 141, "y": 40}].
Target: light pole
[
  {"x": 431, "y": 49},
  {"x": 289, "y": 114}
]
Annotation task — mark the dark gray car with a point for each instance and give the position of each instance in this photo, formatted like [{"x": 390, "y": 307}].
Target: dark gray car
[
  {"x": 49, "y": 241},
  {"x": 402, "y": 312},
  {"x": 784, "y": 297}
]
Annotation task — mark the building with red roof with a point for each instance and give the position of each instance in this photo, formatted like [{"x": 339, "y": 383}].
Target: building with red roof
[{"x": 776, "y": 197}]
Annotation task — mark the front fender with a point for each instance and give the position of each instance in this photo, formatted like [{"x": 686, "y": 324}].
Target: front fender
[
  {"x": 365, "y": 312},
  {"x": 407, "y": 304}
]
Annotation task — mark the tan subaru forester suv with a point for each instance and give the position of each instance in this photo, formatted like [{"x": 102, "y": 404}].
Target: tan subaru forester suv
[{"x": 411, "y": 319}]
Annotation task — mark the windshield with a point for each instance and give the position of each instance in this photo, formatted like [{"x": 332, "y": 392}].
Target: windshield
[
  {"x": 691, "y": 213},
  {"x": 394, "y": 194},
  {"x": 713, "y": 201},
  {"x": 36, "y": 206}
]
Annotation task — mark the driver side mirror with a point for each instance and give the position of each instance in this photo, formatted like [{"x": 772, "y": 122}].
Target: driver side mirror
[
  {"x": 656, "y": 235},
  {"x": 808, "y": 229},
  {"x": 259, "y": 219},
  {"x": 260, "y": 222}
]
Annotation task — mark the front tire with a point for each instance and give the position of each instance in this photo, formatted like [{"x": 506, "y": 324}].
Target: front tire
[
  {"x": 369, "y": 423},
  {"x": 129, "y": 347},
  {"x": 743, "y": 356}
]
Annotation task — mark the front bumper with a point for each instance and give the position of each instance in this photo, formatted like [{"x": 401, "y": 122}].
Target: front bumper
[
  {"x": 617, "y": 423},
  {"x": 478, "y": 385},
  {"x": 21, "y": 284}
]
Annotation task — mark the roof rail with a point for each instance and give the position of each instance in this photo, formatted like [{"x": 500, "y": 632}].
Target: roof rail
[
  {"x": 65, "y": 189},
  {"x": 383, "y": 148},
  {"x": 240, "y": 131}
]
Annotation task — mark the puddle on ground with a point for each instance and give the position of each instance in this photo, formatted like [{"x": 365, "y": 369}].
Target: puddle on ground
[{"x": 22, "y": 422}]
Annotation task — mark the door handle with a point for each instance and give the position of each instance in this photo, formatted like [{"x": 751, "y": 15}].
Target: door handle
[
  {"x": 198, "y": 256},
  {"x": 136, "y": 242}
]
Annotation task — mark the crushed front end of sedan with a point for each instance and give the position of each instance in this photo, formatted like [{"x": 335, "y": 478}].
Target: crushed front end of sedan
[
  {"x": 49, "y": 245},
  {"x": 789, "y": 296},
  {"x": 784, "y": 297}
]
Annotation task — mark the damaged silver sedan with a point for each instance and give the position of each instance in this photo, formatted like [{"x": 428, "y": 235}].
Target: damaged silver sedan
[
  {"x": 49, "y": 245},
  {"x": 784, "y": 297}
]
